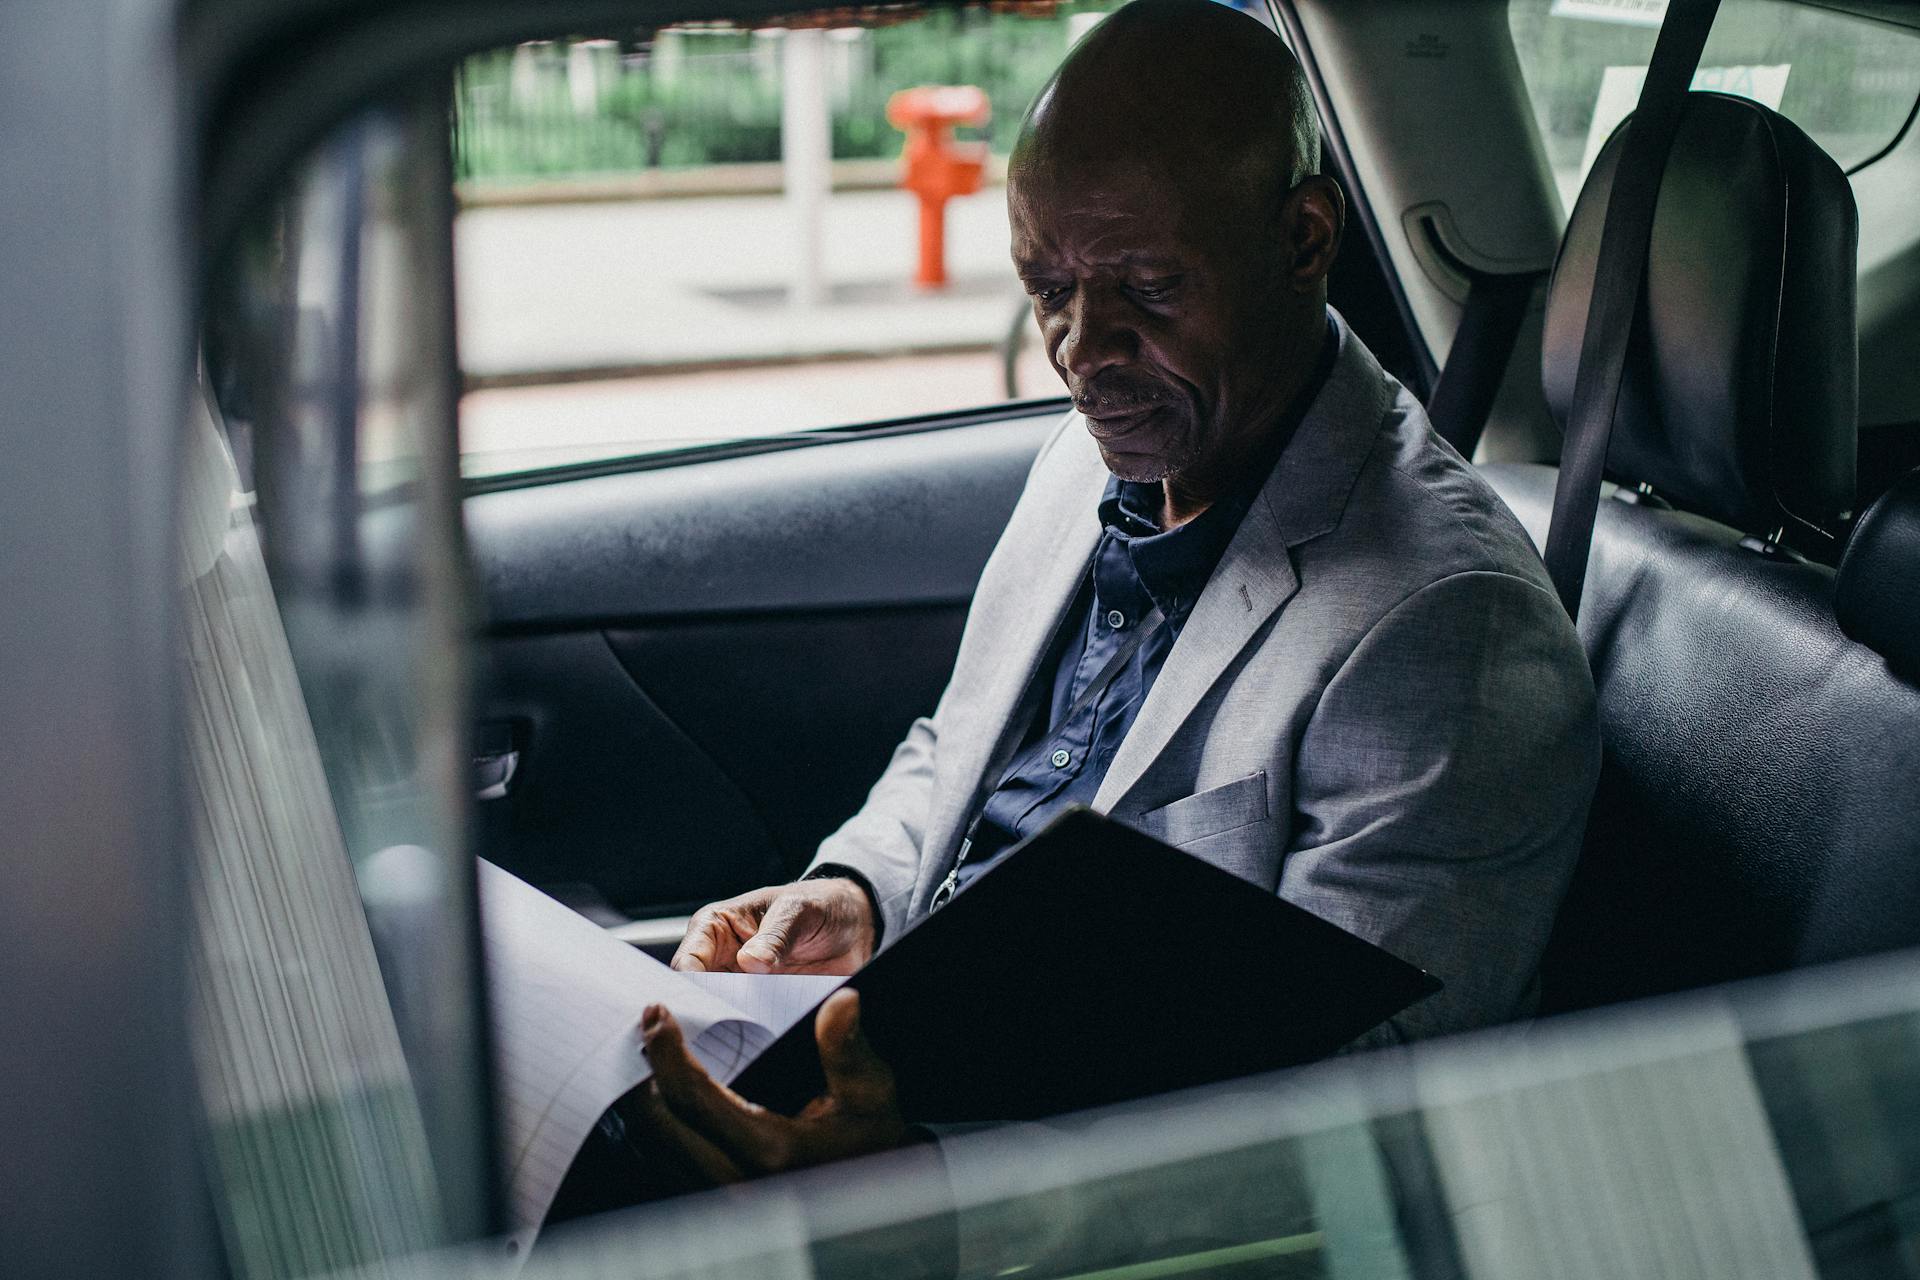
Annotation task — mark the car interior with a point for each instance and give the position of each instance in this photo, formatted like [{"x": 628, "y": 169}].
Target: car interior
[
  {"x": 691, "y": 665},
  {"x": 668, "y": 662}
]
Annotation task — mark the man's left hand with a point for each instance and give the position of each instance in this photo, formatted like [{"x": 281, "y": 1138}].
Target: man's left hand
[{"x": 721, "y": 1137}]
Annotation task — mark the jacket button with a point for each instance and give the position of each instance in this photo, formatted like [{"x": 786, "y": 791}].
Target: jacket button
[{"x": 1062, "y": 758}]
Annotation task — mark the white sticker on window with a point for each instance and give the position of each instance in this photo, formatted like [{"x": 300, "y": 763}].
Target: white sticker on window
[{"x": 1633, "y": 13}]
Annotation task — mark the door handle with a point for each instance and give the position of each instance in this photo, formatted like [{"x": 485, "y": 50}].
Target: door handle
[{"x": 495, "y": 761}]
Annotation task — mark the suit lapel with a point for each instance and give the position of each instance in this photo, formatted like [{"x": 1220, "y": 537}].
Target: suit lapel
[
  {"x": 1254, "y": 579},
  {"x": 1303, "y": 498},
  {"x": 1054, "y": 553}
]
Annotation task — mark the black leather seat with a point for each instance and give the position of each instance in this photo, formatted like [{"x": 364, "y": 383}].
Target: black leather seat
[
  {"x": 1759, "y": 804},
  {"x": 1877, "y": 595}
]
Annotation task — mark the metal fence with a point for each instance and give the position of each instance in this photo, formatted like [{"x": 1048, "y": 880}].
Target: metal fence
[{"x": 700, "y": 96}]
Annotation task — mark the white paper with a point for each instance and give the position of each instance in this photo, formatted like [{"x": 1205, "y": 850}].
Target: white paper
[
  {"x": 567, "y": 999},
  {"x": 772, "y": 1000}
]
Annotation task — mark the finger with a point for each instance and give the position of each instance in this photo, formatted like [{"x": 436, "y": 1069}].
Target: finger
[
  {"x": 844, "y": 965},
  {"x": 857, "y": 1076},
  {"x": 752, "y": 1136},
  {"x": 713, "y": 939},
  {"x": 666, "y": 1131},
  {"x": 716, "y": 931},
  {"x": 763, "y": 952},
  {"x": 696, "y": 951}
]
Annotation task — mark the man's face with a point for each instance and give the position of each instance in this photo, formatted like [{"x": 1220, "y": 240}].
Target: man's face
[{"x": 1161, "y": 305}]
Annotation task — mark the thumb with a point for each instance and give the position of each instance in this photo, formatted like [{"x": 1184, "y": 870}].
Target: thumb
[
  {"x": 763, "y": 952},
  {"x": 856, "y": 1075}
]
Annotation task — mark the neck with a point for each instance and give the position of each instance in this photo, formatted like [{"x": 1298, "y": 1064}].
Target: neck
[
  {"x": 1237, "y": 453},
  {"x": 1177, "y": 507}
]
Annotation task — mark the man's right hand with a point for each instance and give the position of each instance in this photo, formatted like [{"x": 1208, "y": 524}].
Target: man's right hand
[{"x": 809, "y": 926}]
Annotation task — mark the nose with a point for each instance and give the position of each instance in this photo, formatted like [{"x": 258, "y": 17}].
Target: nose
[{"x": 1097, "y": 333}]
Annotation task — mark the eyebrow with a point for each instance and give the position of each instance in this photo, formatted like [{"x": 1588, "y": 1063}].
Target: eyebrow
[{"x": 1140, "y": 261}]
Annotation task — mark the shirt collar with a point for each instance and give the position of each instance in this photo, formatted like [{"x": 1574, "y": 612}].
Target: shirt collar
[
  {"x": 1173, "y": 565},
  {"x": 1170, "y": 565}
]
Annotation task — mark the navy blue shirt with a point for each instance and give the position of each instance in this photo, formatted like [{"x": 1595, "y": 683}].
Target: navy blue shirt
[{"x": 1136, "y": 566}]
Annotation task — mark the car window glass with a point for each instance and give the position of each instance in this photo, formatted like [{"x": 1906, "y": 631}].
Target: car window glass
[
  {"x": 338, "y": 1021},
  {"x": 1766, "y": 1129},
  {"x": 1849, "y": 82},
  {"x": 701, "y": 235}
]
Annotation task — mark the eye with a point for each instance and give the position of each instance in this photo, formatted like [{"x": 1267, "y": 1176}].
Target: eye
[
  {"x": 1046, "y": 294},
  {"x": 1154, "y": 290}
]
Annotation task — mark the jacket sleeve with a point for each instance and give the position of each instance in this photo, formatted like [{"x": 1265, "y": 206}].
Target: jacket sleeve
[
  {"x": 885, "y": 841},
  {"x": 1441, "y": 790}
]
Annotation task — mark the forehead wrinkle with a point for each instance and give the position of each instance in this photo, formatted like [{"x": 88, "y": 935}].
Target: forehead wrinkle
[
  {"x": 1100, "y": 232},
  {"x": 1106, "y": 248}
]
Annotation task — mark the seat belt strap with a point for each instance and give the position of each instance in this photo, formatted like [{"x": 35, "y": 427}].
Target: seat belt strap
[
  {"x": 1477, "y": 361},
  {"x": 1619, "y": 272}
]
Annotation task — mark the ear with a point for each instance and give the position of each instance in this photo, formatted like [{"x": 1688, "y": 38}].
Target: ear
[{"x": 1311, "y": 218}]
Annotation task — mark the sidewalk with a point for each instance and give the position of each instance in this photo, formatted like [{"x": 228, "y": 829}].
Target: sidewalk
[
  {"x": 551, "y": 293},
  {"x": 516, "y": 428}
]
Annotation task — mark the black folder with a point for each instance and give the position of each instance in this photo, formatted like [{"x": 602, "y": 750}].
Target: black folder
[{"x": 1090, "y": 965}]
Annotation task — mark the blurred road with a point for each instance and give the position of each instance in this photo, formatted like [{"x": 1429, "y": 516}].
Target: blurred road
[
  {"x": 597, "y": 289},
  {"x": 593, "y": 330},
  {"x": 518, "y": 428}
]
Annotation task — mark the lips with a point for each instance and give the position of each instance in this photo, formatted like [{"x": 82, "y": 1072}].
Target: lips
[{"x": 1115, "y": 421}]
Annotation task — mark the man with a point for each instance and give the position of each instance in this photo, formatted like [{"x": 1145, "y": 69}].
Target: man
[{"x": 1248, "y": 602}]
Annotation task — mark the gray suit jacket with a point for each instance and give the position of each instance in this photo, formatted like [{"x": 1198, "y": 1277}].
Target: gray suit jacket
[{"x": 1377, "y": 708}]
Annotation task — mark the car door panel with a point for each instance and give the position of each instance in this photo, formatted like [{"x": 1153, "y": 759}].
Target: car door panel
[
  {"x": 871, "y": 520},
  {"x": 582, "y": 813},
  {"x": 703, "y": 667},
  {"x": 802, "y": 712}
]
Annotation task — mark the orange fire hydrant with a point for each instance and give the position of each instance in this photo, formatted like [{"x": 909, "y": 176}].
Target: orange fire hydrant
[{"x": 936, "y": 167}]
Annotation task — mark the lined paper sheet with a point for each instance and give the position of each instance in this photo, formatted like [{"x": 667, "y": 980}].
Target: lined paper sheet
[
  {"x": 773, "y": 1001},
  {"x": 567, "y": 999}
]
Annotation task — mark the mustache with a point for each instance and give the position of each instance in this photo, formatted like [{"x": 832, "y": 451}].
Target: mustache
[{"x": 1117, "y": 396}]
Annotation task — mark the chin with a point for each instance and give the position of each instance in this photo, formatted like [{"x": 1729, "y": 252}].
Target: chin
[
  {"x": 1148, "y": 466},
  {"x": 1135, "y": 468}
]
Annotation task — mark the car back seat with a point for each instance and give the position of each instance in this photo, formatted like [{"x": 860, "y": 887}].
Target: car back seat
[{"x": 1759, "y": 803}]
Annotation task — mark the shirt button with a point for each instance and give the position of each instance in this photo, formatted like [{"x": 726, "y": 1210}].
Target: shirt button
[
  {"x": 1116, "y": 619},
  {"x": 1062, "y": 758}
]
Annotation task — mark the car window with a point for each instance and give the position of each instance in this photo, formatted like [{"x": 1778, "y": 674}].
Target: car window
[
  {"x": 1766, "y": 1130},
  {"x": 338, "y": 1008},
  {"x": 1769, "y": 1129},
  {"x": 702, "y": 235},
  {"x": 1851, "y": 83}
]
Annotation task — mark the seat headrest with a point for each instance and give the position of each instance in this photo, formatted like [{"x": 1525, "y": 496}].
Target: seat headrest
[
  {"x": 1876, "y": 595},
  {"x": 1739, "y": 394}
]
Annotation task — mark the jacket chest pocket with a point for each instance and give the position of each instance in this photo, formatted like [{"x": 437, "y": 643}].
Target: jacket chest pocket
[{"x": 1212, "y": 812}]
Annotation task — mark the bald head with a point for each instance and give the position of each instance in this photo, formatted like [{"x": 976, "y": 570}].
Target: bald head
[
  {"x": 1187, "y": 86},
  {"x": 1170, "y": 223}
]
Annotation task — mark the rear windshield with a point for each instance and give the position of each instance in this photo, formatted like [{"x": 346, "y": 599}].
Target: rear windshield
[{"x": 1851, "y": 83}]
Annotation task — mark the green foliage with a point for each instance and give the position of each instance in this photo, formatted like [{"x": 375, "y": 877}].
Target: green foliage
[{"x": 713, "y": 97}]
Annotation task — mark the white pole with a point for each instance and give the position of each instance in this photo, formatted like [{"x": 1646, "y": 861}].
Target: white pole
[
  {"x": 583, "y": 80},
  {"x": 806, "y": 154},
  {"x": 1078, "y": 24},
  {"x": 524, "y": 80}
]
